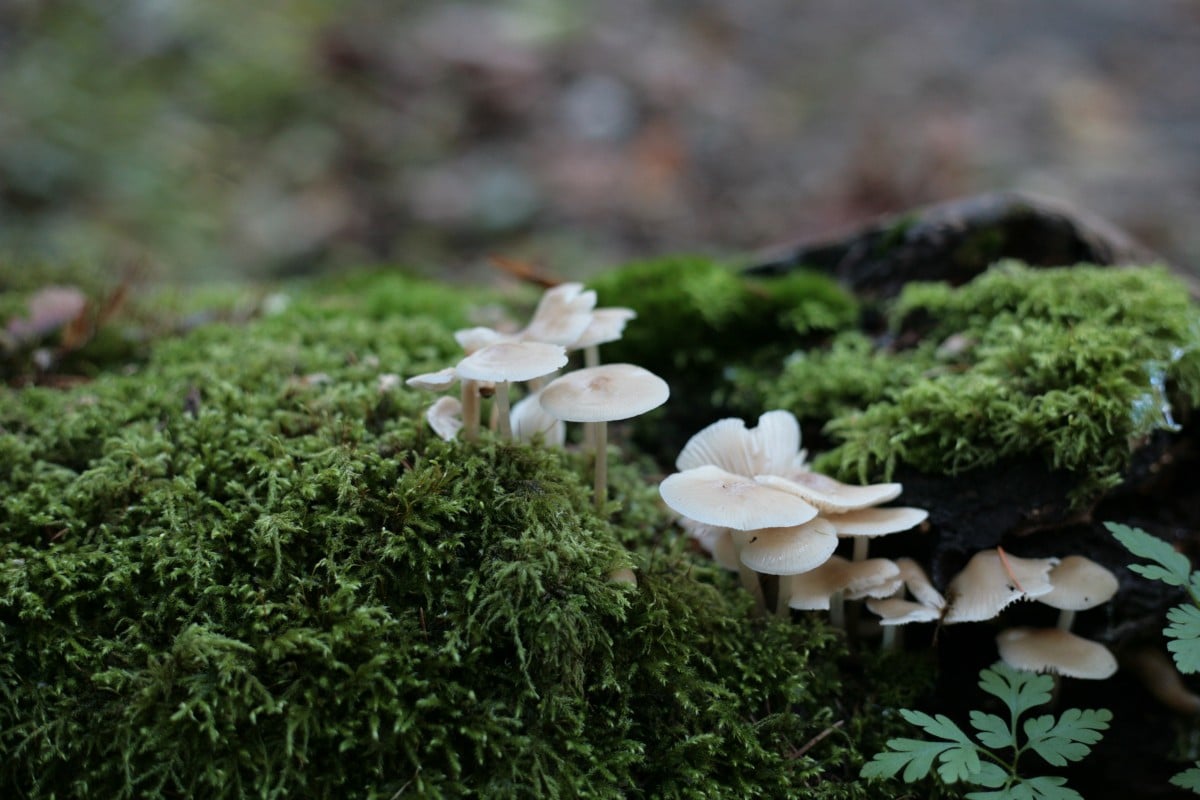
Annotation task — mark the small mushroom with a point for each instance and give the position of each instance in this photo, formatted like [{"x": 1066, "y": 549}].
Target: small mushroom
[
  {"x": 716, "y": 540},
  {"x": 895, "y": 611},
  {"x": 1057, "y": 651},
  {"x": 825, "y": 587},
  {"x": 607, "y": 325},
  {"x": 865, "y": 524},
  {"x": 829, "y": 495},
  {"x": 789, "y": 550},
  {"x": 773, "y": 447},
  {"x": 505, "y": 362},
  {"x": 601, "y": 395},
  {"x": 1079, "y": 584},
  {"x": 562, "y": 315},
  {"x": 445, "y": 417},
  {"x": 994, "y": 580},
  {"x": 530, "y": 420},
  {"x": 713, "y": 496}
]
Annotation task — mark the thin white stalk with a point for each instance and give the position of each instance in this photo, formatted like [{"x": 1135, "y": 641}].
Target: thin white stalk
[
  {"x": 600, "y": 487},
  {"x": 470, "y": 410},
  {"x": 750, "y": 580},
  {"x": 503, "y": 412}
]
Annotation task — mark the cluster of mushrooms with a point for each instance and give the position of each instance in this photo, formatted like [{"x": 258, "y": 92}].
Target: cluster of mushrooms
[
  {"x": 748, "y": 497},
  {"x": 566, "y": 319}
]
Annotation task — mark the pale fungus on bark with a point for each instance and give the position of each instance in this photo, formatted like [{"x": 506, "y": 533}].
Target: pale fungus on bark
[{"x": 600, "y": 395}]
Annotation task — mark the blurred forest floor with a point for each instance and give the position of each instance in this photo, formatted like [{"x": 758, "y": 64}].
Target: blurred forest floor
[{"x": 214, "y": 138}]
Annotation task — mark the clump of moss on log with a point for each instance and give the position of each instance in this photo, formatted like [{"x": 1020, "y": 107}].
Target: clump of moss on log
[
  {"x": 245, "y": 569},
  {"x": 1070, "y": 365}
]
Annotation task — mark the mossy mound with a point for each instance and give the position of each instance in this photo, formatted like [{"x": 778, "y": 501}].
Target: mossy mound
[
  {"x": 245, "y": 569},
  {"x": 1074, "y": 367}
]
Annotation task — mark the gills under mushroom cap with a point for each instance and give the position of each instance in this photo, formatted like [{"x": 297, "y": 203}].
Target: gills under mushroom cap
[
  {"x": 713, "y": 496},
  {"x": 604, "y": 394},
  {"x": 991, "y": 582},
  {"x": 773, "y": 447}
]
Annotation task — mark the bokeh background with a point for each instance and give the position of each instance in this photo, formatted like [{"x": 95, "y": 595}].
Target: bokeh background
[{"x": 219, "y": 138}]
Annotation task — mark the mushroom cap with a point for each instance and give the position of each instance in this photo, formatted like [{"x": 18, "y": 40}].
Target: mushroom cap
[
  {"x": 713, "y": 496},
  {"x": 623, "y": 576},
  {"x": 810, "y": 591},
  {"x": 1054, "y": 650},
  {"x": 1079, "y": 583},
  {"x": 562, "y": 315},
  {"x": 472, "y": 339},
  {"x": 872, "y": 522},
  {"x": 986, "y": 586},
  {"x": 788, "y": 551},
  {"x": 445, "y": 417},
  {"x": 773, "y": 447},
  {"x": 829, "y": 495},
  {"x": 528, "y": 419},
  {"x": 895, "y": 611},
  {"x": 512, "y": 361},
  {"x": 605, "y": 393},
  {"x": 918, "y": 584},
  {"x": 608, "y": 324},
  {"x": 434, "y": 381}
]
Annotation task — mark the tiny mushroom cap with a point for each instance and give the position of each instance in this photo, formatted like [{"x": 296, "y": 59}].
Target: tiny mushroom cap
[
  {"x": 788, "y": 551},
  {"x": 529, "y": 419},
  {"x": 713, "y": 496},
  {"x": 1054, "y": 650},
  {"x": 434, "y": 381},
  {"x": 992, "y": 581},
  {"x": 1079, "y": 584},
  {"x": 872, "y": 522},
  {"x": 445, "y": 417},
  {"x": 829, "y": 495},
  {"x": 811, "y": 591},
  {"x": 918, "y": 584},
  {"x": 608, "y": 324},
  {"x": 604, "y": 394},
  {"x": 562, "y": 315},
  {"x": 895, "y": 611},
  {"x": 773, "y": 447},
  {"x": 472, "y": 339},
  {"x": 512, "y": 361}
]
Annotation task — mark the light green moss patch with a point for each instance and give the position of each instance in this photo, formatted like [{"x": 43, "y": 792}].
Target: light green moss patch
[{"x": 1073, "y": 366}]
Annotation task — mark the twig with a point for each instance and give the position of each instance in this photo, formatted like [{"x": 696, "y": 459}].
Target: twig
[{"x": 813, "y": 742}]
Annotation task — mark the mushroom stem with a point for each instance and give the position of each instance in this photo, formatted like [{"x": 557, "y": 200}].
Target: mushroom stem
[
  {"x": 891, "y": 637},
  {"x": 1066, "y": 618},
  {"x": 591, "y": 355},
  {"x": 861, "y": 545},
  {"x": 749, "y": 578},
  {"x": 503, "y": 411},
  {"x": 470, "y": 410},
  {"x": 782, "y": 596},
  {"x": 600, "y": 439},
  {"x": 837, "y": 610}
]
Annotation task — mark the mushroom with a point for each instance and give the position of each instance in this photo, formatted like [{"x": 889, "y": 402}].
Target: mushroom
[
  {"x": 709, "y": 495},
  {"x": 788, "y": 550},
  {"x": 1057, "y": 651},
  {"x": 1079, "y": 584},
  {"x": 773, "y": 447},
  {"x": 895, "y": 610},
  {"x": 529, "y": 420},
  {"x": 824, "y": 588},
  {"x": 865, "y": 524},
  {"x": 829, "y": 495},
  {"x": 994, "y": 580},
  {"x": 505, "y": 362},
  {"x": 562, "y": 315},
  {"x": 607, "y": 325},
  {"x": 445, "y": 417},
  {"x": 716, "y": 540},
  {"x": 600, "y": 395}
]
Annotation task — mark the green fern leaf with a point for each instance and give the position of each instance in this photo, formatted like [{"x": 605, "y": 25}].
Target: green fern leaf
[
  {"x": 1070, "y": 738},
  {"x": 1184, "y": 630},
  {"x": 1020, "y": 691},
  {"x": 993, "y": 731},
  {"x": 1188, "y": 779},
  {"x": 1172, "y": 568},
  {"x": 914, "y": 756}
]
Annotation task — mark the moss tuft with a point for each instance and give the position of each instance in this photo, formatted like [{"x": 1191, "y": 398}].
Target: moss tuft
[{"x": 1072, "y": 365}]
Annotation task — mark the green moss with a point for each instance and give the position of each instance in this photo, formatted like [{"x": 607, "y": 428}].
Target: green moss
[
  {"x": 243, "y": 570},
  {"x": 1070, "y": 365}
]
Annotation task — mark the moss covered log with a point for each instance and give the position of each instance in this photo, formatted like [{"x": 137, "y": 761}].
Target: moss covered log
[{"x": 243, "y": 567}]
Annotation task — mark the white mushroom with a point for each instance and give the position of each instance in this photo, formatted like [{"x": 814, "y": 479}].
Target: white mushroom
[
  {"x": 601, "y": 395},
  {"x": 773, "y": 447},
  {"x": 788, "y": 550},
  {"x": 1079, "y": 584},
  {"x": 607, "y": 325},
  {"x": 824, "y": 587},
  {"x": 865, "y": 524},
  {"x": 829, "y": 495},
  {"x": 505, "y": 362},
  {"x": 1057, "y": 651},
  {"x": 530, "y": 420},
  {"x": 445, "y": 417},
  {"x": 992, "y": 581},
  {"x": 714, "y": 496}
]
